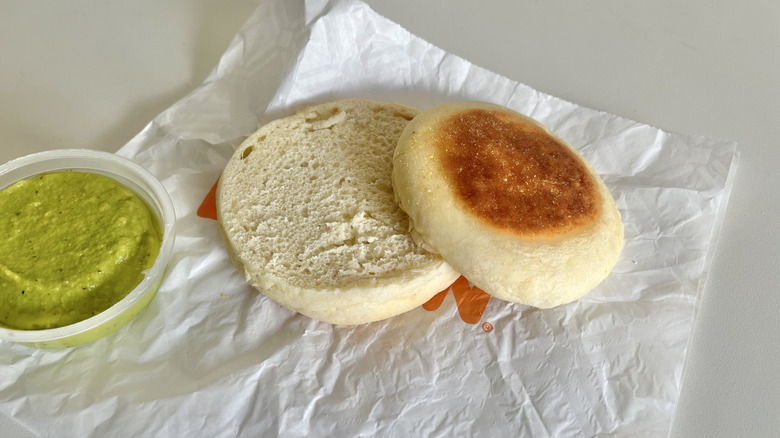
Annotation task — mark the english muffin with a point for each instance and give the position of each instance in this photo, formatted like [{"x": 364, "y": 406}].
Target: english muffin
[
  {"x": 307, "y": 211},
  {"x": 510, "y": 205}
]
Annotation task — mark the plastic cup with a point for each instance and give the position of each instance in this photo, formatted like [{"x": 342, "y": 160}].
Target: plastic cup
[{"x": 137, "y": 179}]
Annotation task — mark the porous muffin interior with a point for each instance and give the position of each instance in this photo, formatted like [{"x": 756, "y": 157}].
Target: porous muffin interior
[{"x": 310, "y": 198}]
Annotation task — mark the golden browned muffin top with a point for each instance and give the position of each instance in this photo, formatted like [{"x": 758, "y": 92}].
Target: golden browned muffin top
[{"x": 514, "y": 175}]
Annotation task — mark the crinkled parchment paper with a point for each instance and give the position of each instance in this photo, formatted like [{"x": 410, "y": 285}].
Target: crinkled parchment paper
[{"x": 211, "y": 357}]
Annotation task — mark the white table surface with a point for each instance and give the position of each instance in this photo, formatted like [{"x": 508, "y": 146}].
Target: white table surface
[{"x": 92, "y": 73}]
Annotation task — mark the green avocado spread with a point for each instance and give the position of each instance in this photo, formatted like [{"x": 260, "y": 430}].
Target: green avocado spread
[{"x": 72, "y": 244}]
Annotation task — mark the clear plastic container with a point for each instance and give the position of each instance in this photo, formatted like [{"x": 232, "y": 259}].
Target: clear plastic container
[{"x": 137, "y": 179}]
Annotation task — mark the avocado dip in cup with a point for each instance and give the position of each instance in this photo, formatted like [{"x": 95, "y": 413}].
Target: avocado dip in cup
[{"x": 85, "y": 237}]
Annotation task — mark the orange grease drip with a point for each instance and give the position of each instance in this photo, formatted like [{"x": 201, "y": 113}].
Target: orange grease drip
[
  {"x": 208, "y": 208},
  {"x": 471, "y": 301},
  {"x": 514, "y": 175}
]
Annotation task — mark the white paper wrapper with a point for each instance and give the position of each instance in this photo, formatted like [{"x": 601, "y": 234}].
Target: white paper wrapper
[{"x": 211, "y": 357}]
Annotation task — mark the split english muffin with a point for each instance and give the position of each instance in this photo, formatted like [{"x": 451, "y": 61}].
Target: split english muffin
[
  {"x": 307, "y": 211},
  {"x": 511, "y": 206}
]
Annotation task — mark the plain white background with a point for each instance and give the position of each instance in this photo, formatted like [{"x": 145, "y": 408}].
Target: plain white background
[{"x": 92, "y": 73}]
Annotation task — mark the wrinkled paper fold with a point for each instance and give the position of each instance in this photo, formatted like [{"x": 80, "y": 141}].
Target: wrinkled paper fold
[{"x": 211, "y": 357}]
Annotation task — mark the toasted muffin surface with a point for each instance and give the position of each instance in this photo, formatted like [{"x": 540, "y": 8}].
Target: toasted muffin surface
[{"x": 514, "y": 174}]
